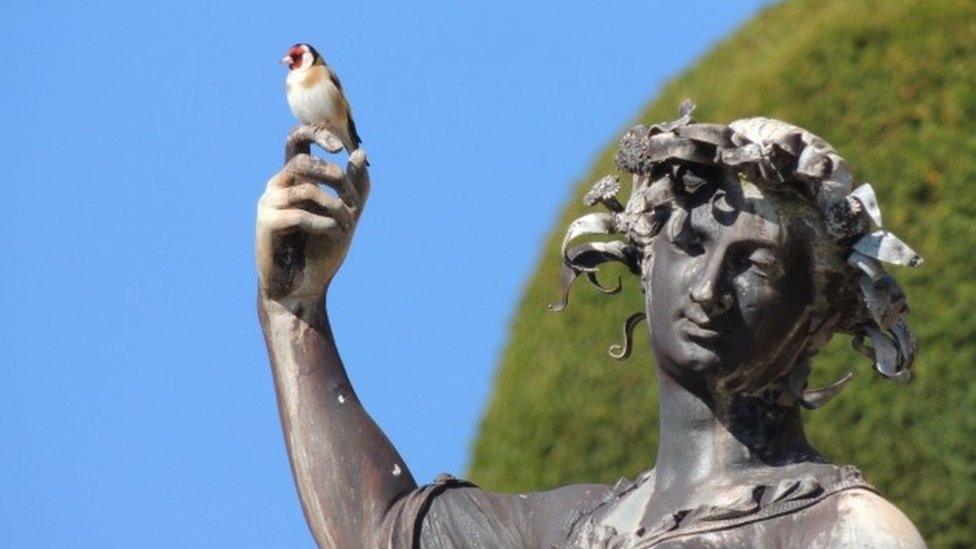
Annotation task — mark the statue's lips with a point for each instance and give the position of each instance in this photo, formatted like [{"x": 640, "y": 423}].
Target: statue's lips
[{"x": 697, "y": 332}]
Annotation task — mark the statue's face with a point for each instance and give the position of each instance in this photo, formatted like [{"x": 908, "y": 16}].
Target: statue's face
[{"x": 730, "y": 286}]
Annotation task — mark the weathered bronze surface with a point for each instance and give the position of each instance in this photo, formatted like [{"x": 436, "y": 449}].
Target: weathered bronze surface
[{"x": 753, "y": 246}]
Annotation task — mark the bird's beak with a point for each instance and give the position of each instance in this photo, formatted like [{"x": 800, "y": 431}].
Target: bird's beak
[{"x": 286, "y": 60}]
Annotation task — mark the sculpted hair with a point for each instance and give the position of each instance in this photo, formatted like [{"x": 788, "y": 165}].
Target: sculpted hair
[{"x": 802, "y": 173}]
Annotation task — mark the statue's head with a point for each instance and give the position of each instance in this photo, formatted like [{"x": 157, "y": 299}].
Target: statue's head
[{"x": 754, "y": 246}]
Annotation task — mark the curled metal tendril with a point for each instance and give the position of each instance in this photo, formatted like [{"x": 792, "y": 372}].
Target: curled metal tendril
[
  {"x": 891, "y": 358},
  {"x": 585, "y": 258},
  {"x": 811, "y": 399},
  {"x": 622, "y": 351},
  {"x": 592, "y": 277},
  {"x": 815, "y": 398}
]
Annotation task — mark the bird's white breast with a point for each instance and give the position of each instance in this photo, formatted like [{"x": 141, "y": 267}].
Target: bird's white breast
[{"x": 311, "y": 104}]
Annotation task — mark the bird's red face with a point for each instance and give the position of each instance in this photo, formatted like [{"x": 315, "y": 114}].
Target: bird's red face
[{"x": 299, "y": 56}]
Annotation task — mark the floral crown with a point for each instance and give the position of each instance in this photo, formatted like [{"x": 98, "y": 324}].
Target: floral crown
[{"x": 670, "y": 161}]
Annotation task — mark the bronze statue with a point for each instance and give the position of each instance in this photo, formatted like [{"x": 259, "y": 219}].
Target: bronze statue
[{"x": 753, "y": 247}]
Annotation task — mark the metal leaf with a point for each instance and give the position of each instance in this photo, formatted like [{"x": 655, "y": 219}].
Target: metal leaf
[
  {"x": 750, "y": 153},
  {"x": 714, "y": 134},
  {"x": 594, "y": 223},
  {"x": 884, "y": 298},
  {"x": 868, "y": 265},
  {"x": 684, "y": 118},
  {"x": 813, "y": 164},
  {"x": 587, "y": 257},
  {"x": 885, "y": 246},
  {"x": 868, "y": 201}
]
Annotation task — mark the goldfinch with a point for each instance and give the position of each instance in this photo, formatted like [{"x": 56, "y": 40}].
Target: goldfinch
[{"x": 315, "y": 95}]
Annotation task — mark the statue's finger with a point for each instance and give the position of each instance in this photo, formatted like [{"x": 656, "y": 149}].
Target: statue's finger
[
  {"x": 301, "y": 219},
  {"x": 300, "y": 139},
  {"x": 280, "y": 180},
  {"x": 327, "y": 173},
  {"x": 358, "y": 172},
  {"x": 309, "y": 197}
]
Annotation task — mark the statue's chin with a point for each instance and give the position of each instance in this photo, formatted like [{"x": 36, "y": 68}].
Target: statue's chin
[{"x": 696, "y": 358}]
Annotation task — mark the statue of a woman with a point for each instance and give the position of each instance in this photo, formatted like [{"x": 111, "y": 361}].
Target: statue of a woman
[{"x": 753, "y": 247}]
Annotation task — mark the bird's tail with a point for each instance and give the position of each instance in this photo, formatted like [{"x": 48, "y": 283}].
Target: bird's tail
[
  {"x": 353, "y": 141},
  {"x": 353, "y": 135}
]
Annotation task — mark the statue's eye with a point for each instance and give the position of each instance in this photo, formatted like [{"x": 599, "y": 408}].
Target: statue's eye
[
  {"x": 759, "y": 261},
  {"x": 688, "y": 241}
]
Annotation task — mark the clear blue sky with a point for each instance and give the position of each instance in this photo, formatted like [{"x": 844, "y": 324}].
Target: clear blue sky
[{"x": 136, "y": 403}]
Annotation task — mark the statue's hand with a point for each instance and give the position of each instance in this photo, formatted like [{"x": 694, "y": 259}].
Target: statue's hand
[{"x": 303, "y": 234}]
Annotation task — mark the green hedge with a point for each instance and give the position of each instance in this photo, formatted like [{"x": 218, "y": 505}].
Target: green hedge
[{"x": 892, "y": 85}]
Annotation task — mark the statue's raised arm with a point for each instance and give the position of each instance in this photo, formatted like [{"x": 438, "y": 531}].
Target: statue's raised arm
[
  {"x": 346, "y": 470},
  {"x": 355, "y": 489}
]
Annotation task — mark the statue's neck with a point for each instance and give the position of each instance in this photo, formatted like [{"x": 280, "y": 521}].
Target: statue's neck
[{"x": 708, "y": 440}]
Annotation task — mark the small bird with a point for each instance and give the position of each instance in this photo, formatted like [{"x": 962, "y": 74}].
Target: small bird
[{"x": 315, "y": 95}]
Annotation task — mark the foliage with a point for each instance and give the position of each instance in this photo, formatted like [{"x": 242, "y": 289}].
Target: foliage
[{"x": 892, "y": 85}]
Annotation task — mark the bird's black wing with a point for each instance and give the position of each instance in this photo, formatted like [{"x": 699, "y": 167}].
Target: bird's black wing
[
  {"x": 353, "y": 134},
  {"x": 335, "y": 80}
]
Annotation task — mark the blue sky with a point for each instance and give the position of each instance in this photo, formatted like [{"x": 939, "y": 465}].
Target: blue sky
[{"x": 136, "y": 407}]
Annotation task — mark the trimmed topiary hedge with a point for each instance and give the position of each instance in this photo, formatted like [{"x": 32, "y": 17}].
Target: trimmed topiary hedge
[{"x": 892, "y": 85}]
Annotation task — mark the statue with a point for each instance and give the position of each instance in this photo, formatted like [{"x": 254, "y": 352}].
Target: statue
[{"x": 753, "y": 247}]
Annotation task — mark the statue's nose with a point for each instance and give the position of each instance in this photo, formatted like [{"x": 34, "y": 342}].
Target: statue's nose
[{"x": 708, "y": 291}]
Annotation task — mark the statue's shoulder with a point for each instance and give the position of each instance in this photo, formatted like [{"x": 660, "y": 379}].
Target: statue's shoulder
[
  {"x": 851, "y": 513},
  {"x": 861, "y": 517}
]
